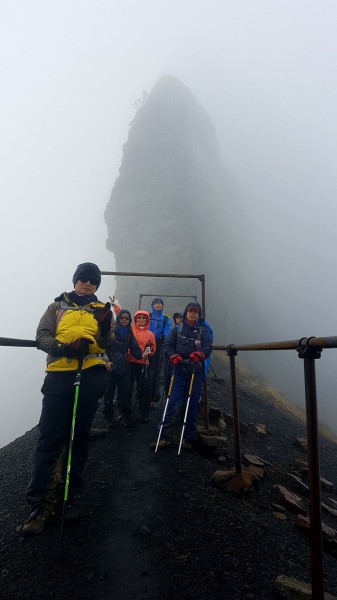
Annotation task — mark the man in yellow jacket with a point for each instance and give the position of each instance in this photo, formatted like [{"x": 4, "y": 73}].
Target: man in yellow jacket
[{"x": 73, "y": 331}]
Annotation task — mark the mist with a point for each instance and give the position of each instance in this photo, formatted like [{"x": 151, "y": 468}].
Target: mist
[{"x": 264, "y": 71}]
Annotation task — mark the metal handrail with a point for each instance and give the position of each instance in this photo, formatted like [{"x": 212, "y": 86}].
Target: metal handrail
[
  {"x": 308, "y": 349},
  {"x": 4, "y": 341},
  {"x": 322, "y": 342}
]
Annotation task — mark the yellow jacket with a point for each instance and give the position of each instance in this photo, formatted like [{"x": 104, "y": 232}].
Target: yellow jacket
[{"x": 65, "y": 322}]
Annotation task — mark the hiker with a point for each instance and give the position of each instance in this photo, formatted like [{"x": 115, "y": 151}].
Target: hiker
[
  {"x": 160, "y": 325},
  {"x": 139, "y": 368},
  {"x": 118, "y": 368},
  {"x": 73, "y": 331},
  {"x": 187, "y": 346}
]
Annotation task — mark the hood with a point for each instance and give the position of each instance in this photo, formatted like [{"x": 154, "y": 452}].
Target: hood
[
  {"x": 141, "y": 312},
  {"x": 153, "y": 302},
  {"x": 121, "y": 312},
  {"x": 193, "y": 305}
]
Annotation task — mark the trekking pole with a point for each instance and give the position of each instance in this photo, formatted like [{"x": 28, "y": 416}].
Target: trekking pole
[
  {"x": 166, "y": 368},
  {"x": 214, "y": 373},
  {"x": 186, "y": 411},
  {"x": 66, "y": 487},
  {"x": 141, "y": 388},
  {"x": 156, "y": 393},
  {"x": 164, "y": 414},
  {"x": 145, "y": 401}
]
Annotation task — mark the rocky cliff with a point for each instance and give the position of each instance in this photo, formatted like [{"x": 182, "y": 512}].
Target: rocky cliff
[{"x": 171, "y": 209}]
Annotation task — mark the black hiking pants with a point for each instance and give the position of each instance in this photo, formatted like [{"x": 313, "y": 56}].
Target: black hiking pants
[
  {"x": 122, "y": 383},
  {"x": 155, "y": 368},
  {"x": 55, "y": 428},
  {"x": 140, "y": 373}
]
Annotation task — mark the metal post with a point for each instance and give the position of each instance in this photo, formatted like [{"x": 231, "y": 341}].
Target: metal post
[
  {"x": 203, "y": 295},
  {"x": 236, "y": 422},
  {"x": 315, "y": 510},
  {"x": 206, "y": 407}
]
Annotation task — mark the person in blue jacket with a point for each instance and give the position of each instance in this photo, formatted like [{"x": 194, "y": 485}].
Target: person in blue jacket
[
  {"x": 160, "y": 325},
  {"x": 187, "y": 346}
]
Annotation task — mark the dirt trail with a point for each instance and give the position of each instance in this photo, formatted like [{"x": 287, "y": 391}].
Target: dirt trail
[{"x": 153, "y": 527}]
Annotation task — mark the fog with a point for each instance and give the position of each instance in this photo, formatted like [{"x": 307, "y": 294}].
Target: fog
[{"x": 264, "y": 71}]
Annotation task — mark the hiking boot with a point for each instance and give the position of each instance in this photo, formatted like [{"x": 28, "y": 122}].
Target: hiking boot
[
  {"x": 162, "y": 444},
  {"x": 36, "y": 523}
]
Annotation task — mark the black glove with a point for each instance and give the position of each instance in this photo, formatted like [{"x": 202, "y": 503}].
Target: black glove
[
  {"x": 75, "y": 349},
  {"x": 103, "y": 317}
]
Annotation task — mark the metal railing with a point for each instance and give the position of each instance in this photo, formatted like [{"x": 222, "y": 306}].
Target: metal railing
[{"x": 308, "y": 349}]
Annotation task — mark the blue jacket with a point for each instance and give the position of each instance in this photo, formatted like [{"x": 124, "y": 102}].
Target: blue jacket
[{"x": 160, "y": 324}]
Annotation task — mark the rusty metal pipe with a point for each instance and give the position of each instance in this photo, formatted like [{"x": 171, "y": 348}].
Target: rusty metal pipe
[
  {"x": 235, "y": 408},
  {"x": 134, "y": 274},
  {"x": 322, "y": 342},
  {"x": 20, "y": 343},
  {"x": 315, "y": 508}
]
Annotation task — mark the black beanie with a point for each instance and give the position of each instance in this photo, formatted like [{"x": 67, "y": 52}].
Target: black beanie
[{"x": 89, "y": 270}]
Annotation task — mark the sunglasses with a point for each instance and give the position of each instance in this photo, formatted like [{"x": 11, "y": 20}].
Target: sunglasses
[
  {"x": 141, "y": 317},
  {"x": 124, "y": 318},
  {"x": 91, "y": 280}
]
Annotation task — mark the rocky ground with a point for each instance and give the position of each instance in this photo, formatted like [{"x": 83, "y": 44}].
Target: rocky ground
[{"x": 154, "y": 527}]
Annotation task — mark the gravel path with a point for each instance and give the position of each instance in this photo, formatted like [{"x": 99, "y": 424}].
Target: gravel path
[{"x": 154, "y": 527}]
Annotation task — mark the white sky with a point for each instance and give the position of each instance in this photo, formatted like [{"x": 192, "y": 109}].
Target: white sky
[{"x": 264, "y": 70}]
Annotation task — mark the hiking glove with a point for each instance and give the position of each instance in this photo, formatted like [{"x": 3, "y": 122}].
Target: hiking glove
[
  {"x": 75, "y": 349},
  {"x": 176, "y": 359},
  {"x": 103, "y": 317},
  {"x": 197, "y": 356}
]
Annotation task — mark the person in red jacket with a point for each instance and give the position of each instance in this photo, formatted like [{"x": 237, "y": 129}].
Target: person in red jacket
[{"x": 139, "y": 368}]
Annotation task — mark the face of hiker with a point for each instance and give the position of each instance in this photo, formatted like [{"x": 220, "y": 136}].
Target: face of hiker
[
  {"x": 178, "y": 320},
  {"x": 158, "y": 306},
  {"x": 85, "y": 286},
  {"x": 124, "y": 318},
  {"x": 192, "y": 315},
  {"x": 141, "y": 320}
]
